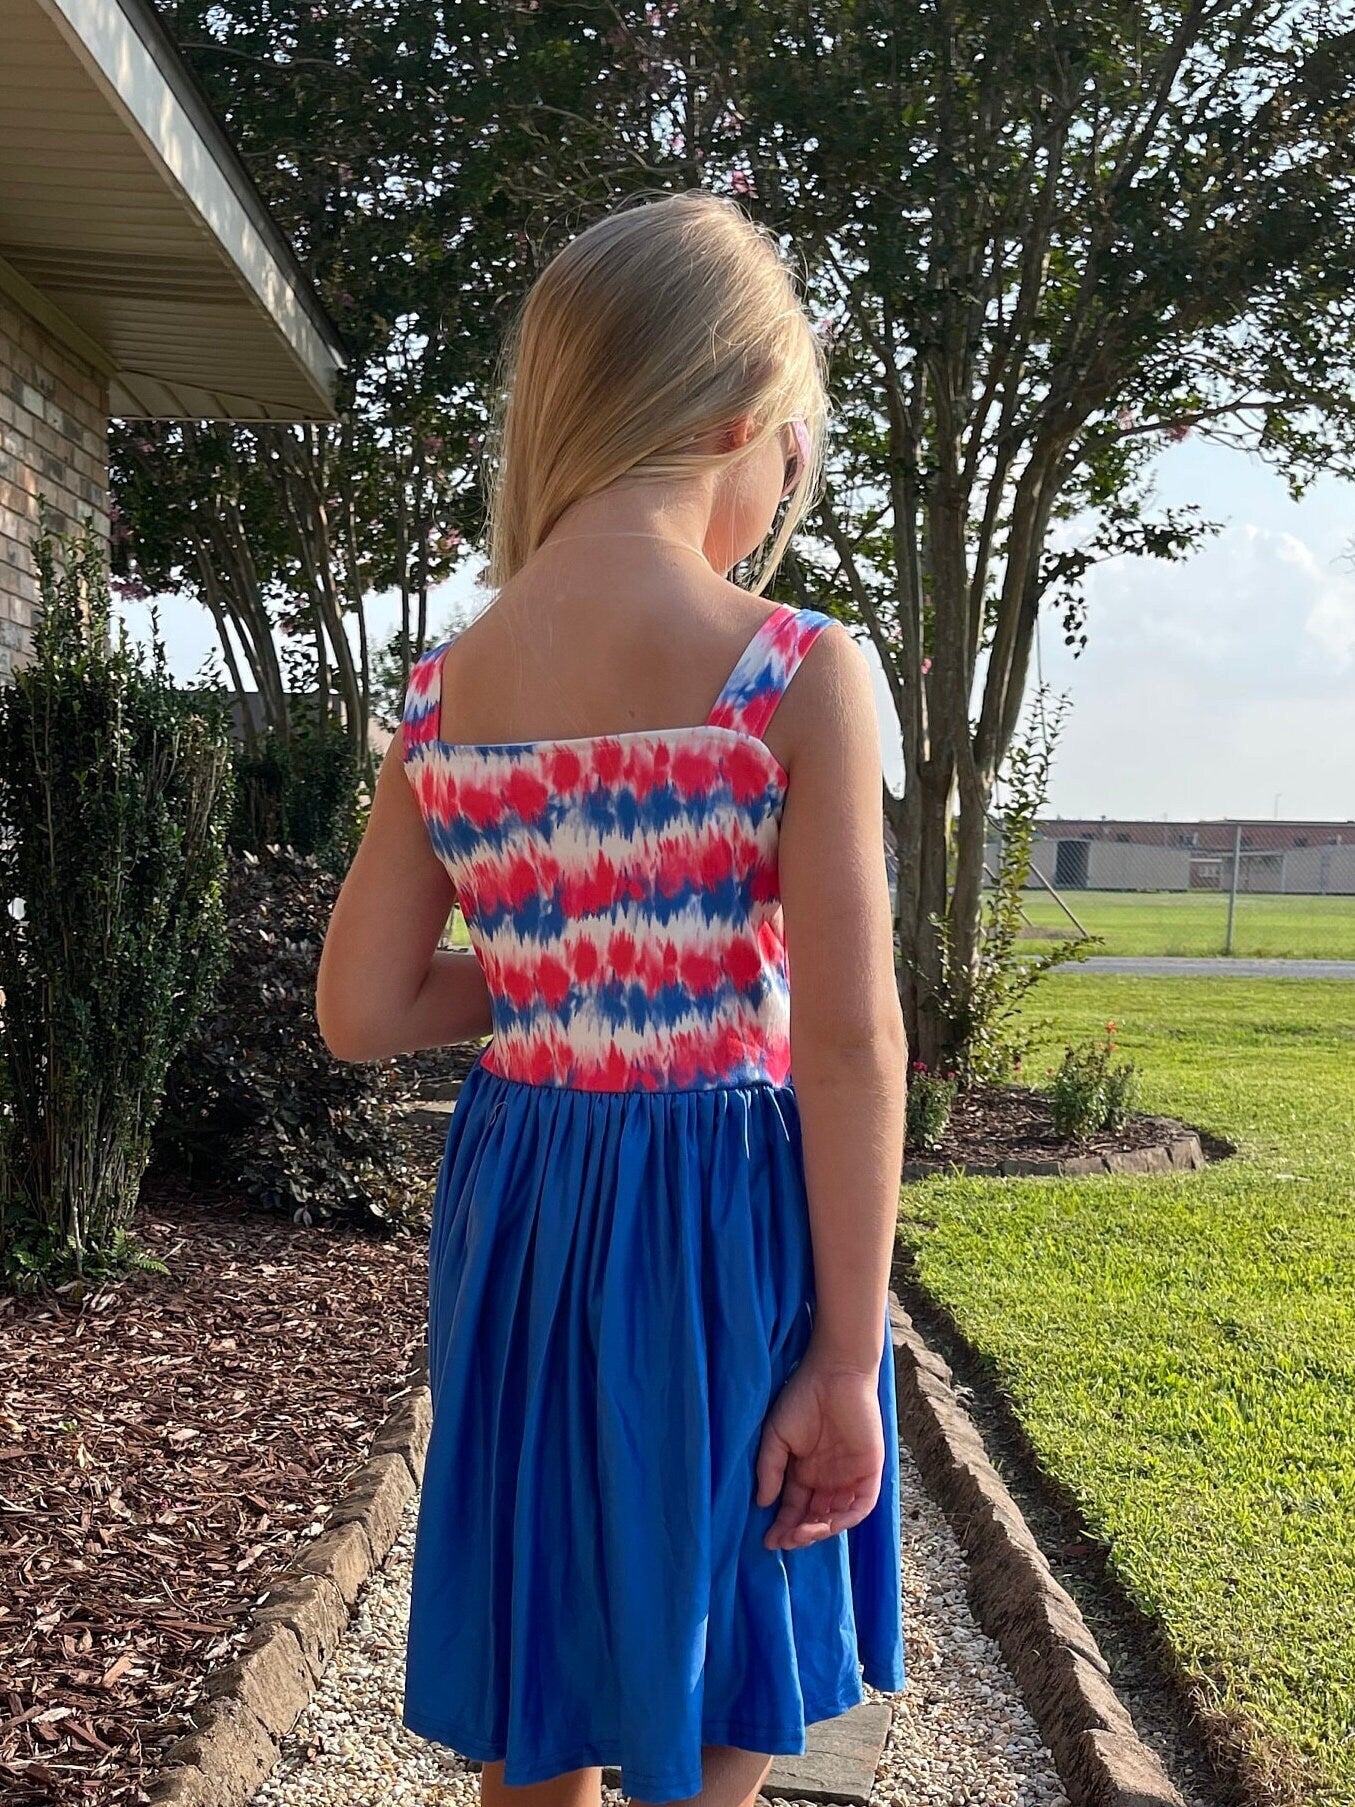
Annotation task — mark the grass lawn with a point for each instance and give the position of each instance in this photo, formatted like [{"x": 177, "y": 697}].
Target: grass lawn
[
  {"x": 1196, "y": 922},
  {"x": 1182, "y": 1348}
]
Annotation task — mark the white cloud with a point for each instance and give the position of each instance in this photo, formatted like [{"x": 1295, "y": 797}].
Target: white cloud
[
  {"x": 1331, "y": 618},
  {"x": 1210, "y": 685}
]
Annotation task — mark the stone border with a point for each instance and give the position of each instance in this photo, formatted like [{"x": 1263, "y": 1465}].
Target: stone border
[
  {"x": 252, "y": 1703},
  {"x": 1047, "y": 1644},
  {"x": 1181, "y": 1154}
]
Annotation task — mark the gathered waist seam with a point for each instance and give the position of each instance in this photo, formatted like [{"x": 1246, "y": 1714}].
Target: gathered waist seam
[{"x": 632, "y": 1091}]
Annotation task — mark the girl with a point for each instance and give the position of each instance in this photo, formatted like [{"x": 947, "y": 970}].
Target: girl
[{"x": 659, "y": 1523}]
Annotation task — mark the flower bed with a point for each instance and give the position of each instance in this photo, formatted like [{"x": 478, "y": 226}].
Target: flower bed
[{"x": 1009, "y": 1129}]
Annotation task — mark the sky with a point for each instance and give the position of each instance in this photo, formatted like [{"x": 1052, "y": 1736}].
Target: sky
[{"x": 1221, "y": 685}]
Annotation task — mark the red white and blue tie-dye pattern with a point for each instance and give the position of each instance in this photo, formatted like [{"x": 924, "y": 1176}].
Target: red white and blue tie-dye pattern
[{"x": 621, "y": 891}]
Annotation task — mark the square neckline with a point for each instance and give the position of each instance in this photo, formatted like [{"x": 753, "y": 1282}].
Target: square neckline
[
  {"x": 593, "y": 740},
  {"x": 751, "y": 647}
]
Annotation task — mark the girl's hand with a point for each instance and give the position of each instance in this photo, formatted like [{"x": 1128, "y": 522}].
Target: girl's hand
[{"x": 822, "y": 1449}]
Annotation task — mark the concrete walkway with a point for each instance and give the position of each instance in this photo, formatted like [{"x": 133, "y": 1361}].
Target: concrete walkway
[{"x": 1212, "y": 966}]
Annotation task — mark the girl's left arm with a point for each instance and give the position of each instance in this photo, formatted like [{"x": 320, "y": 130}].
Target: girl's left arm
[{"x": 384, "y": 986}]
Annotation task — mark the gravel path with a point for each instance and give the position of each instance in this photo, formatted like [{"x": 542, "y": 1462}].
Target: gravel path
[
  {"x": 960, "y": 1737},
  {"x": 1213, "y": 966}
]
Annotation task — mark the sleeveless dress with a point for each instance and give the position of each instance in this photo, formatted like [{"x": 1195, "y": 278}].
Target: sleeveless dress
[{"x": 620, "y": 1267}]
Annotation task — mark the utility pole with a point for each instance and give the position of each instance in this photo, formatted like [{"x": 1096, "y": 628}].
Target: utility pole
[{"x": 1232, "y": 889}]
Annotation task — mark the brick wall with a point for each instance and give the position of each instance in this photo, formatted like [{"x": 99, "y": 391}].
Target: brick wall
[{"x": 53, "y": 436}]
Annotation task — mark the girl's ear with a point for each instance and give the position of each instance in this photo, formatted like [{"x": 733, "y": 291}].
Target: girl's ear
[{"x": 737, "y": 433}]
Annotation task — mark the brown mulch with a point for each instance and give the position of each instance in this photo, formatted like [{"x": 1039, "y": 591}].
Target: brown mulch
[
  {"x": 167, "y": 1447},
  {"x": 1013, "y": 1122}
]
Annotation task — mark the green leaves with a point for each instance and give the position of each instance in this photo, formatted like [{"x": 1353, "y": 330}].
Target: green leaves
[
  {"x": 1052, "y": 241},
  {"x": 981, "y": 1007},
  {"x": 1087, "y": 1092},
  {"x": 254, "y": 1098},
  {"x": 113, "y": 798},
  {"x": 931, "y": 1097}
]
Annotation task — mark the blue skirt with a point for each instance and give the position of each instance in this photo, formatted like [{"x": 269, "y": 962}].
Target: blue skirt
[{"x": 619, "y": 1285}]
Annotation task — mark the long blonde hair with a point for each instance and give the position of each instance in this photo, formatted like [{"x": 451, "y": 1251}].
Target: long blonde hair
[{"x": 661, "y": 322}]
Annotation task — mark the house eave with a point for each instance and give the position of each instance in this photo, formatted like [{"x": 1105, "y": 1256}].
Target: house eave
[{"x": 125, "y": 209}]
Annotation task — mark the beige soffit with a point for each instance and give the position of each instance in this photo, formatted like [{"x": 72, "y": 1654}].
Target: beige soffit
[{"x": 130, "y": 228}]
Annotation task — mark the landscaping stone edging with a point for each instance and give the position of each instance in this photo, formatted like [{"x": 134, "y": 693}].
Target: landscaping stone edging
[
  {"x": 252, "y": 1703},
  {"x": 1181, "y": 1154},
  {"x": 1047, "y": 1644}
]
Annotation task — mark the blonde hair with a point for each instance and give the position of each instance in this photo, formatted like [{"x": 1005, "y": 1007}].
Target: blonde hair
[{"x": 661, "y": 322}]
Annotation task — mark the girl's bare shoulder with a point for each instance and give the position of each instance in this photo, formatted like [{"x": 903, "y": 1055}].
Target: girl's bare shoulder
[{"x": 829, "y": 695}]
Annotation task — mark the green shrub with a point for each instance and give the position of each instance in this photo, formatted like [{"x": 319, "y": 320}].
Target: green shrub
[
  {"x": 931, "y": 1098},
  {"x": 1088, "y": 1094},
  {"x": 991, "y": 1026},
  {"x": 301, "y": 793},
  {"x": 255, "y": 1098},
  {"x": 113, "y": 805}
]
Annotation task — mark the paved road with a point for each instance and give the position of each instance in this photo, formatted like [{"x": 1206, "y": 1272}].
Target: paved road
[{"x": 1207, "y": 966}]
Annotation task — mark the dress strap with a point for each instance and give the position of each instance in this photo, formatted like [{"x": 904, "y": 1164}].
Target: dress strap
[
  {"x": 423, "y": 698},
  {"x": 765, "y": 667}
]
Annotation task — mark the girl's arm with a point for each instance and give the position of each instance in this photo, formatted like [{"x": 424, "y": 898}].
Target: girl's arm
[
  {"x": 384, "y": 986},
  {"x": 848, "y": 1044}
]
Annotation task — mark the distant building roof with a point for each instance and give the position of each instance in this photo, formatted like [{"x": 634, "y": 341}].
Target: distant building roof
[{"x": 1204, "y": 833}]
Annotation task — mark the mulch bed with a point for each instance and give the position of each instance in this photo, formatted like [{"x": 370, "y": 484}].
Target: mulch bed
[
  {"x": 1013, "y": 1122},
  {"x": 167, "y": 1446}
]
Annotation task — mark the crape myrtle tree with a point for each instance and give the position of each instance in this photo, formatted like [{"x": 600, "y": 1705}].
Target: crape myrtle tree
[
  {"x": 1049, "y": 240},
  {"x": 379, "y": 132},
  {"x": 426, "y": 159},
  {"x": 280, "y": 530}
]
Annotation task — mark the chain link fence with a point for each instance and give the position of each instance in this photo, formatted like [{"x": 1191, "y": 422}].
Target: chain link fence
[{"x": 1262, "y": 889}]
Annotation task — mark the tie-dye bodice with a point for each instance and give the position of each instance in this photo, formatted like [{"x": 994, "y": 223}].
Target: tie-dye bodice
[{"x": 621, "y": 890}]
